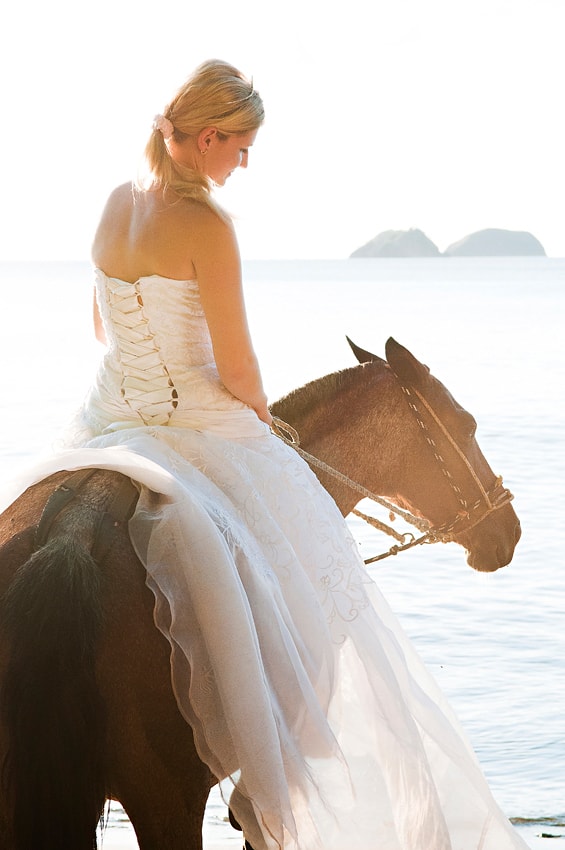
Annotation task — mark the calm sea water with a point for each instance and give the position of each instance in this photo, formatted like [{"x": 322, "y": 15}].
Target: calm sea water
[{"x": 493, "y": 332}]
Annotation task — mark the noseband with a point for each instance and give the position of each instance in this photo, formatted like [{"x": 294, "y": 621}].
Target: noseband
[{"x": 466, "y": 518}]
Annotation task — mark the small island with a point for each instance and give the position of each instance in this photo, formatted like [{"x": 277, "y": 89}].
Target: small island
[
  {"x": 399, "y": 243},
  {"x": 496, "y": 243},
  {"x": 491, "y": 242}
]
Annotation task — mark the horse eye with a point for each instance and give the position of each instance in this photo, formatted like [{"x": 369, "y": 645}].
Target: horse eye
[
  {"x": 471, "y": 428},
  {"x": 467, "y": 426}
]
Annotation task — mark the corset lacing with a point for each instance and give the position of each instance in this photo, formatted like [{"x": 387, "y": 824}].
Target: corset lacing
[{"x": 146, "y": 384}]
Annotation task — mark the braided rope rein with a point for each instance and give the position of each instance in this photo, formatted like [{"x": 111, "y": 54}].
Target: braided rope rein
[{"x": 290, "y": 436}]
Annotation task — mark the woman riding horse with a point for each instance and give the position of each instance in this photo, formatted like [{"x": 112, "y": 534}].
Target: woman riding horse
[{"x": 295, "y": 684}]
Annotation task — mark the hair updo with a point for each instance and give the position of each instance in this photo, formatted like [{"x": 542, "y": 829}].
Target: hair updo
[{"x": 215, "y": 95}]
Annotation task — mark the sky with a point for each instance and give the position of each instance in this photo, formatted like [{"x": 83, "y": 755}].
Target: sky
[{"x": 443, "y": 115}]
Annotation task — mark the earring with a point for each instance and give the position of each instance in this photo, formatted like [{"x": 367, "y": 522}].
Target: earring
[{"x": 204, "y": 152}]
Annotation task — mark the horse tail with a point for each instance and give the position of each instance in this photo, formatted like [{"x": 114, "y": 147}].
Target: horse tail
[{"x": 51, "y": 709}]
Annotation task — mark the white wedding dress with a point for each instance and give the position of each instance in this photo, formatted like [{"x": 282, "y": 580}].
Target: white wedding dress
[{"x": 296, "y": 678}]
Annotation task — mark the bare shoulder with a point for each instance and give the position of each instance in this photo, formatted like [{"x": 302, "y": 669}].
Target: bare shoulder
[
  {"x": 113, "y": 225},
  {"x": 121, "y": 197},
  {"x": 210, "y": 226},
  {"x": 198, "y": 230},
  {"x": 151, "y": 232},
  {"x": 123, "y": 192},
  {"x": 216, "y": 257},
  {"x": 118, "y": 206}
]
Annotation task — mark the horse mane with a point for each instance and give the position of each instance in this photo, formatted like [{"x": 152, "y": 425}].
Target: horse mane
[{"x": 318, "y": 393}]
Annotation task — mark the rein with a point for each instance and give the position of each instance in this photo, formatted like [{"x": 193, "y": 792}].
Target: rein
[
  {"x": 290, "y": 436},
  {"x": 497, "y": 498}
]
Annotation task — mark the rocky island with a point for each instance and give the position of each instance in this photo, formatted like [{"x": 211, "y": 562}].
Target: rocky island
[
  {"x": 399, "y": 243},
  {"x": 496, "y": 243},
  {"x": 491, "y": 242}
]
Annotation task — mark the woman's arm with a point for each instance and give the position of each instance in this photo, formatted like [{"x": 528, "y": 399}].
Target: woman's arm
[
  {"x": 218, "y": 271},
  {"x": 98, "y": 327}
]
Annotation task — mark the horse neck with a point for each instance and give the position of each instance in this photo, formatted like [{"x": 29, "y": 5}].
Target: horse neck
[{"x": 344, "y": 420}]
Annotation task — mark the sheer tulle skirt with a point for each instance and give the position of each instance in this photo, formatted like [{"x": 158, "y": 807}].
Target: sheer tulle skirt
[{"x": 302, "y": 690}]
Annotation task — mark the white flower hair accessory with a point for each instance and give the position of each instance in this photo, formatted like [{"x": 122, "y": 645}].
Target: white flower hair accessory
[{"x": 164, "y": 125}]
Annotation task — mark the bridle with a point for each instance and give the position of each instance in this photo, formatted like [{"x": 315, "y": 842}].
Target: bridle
[
  {"x": 488, "y": 501},
  {"x": 466, "y": 518}
]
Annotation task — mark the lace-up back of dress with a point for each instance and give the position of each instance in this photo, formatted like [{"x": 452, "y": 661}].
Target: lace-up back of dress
[{"x": 155, "y": 328}]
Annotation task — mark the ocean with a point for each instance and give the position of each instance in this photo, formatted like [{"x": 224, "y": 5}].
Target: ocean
[{"x": 492, "y": 330}]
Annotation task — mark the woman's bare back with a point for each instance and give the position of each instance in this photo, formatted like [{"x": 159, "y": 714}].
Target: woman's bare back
[{"x": 149, "y": 232}]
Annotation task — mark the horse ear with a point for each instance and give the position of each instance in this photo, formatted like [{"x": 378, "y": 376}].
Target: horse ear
[
  {"x": 407, "y": 369},
  {"x": 361, "y": 355}
]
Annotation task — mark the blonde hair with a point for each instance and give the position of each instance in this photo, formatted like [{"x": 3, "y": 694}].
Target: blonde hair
[{"x": 215, "y": 95}]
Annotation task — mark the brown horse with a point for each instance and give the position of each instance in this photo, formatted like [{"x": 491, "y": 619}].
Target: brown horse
[{"x": 87, "y": 708}]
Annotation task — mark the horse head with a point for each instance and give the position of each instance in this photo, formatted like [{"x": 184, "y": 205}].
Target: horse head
[{"x": 455, "y": 489}]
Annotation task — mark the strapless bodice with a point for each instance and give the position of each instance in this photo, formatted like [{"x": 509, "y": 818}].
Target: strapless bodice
[
  {"x": 155, "y": 314},
  {"x": 159, "y": 368}
]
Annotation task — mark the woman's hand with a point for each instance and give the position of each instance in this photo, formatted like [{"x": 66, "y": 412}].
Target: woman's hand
[{"x": 264, "y": 413}]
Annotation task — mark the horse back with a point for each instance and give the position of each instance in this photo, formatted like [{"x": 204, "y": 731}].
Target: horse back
[{"x": 143, "y": 748}]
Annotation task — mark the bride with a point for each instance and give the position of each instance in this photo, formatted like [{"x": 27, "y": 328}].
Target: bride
[{"x": 317, "y": 709}]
